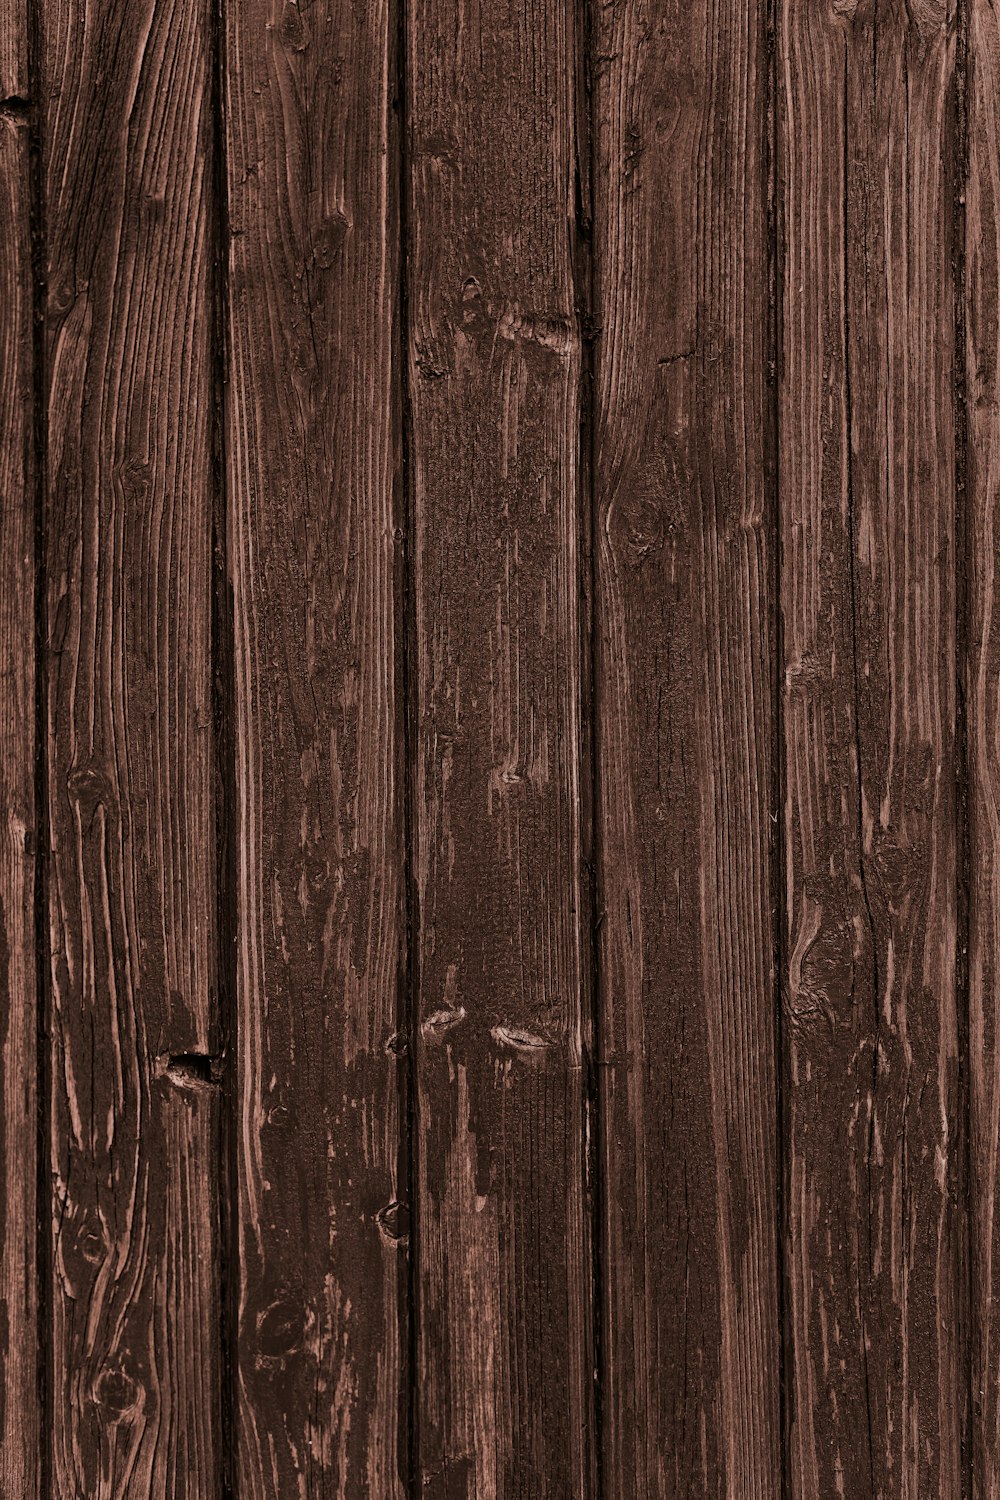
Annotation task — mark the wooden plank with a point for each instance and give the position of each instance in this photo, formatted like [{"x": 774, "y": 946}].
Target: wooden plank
[
  {"x": 684, "y": 613},
  {"x": 19, "y": 1352},
  {"x": 133, "y": 1296},
  {"x": 315, "y": 548},
  {"x": 875, "y": 1226},
  {"x": 15, "y": 86},
  {"x": 981, "y": 310},
  {"x": 503, "y": 1368}
]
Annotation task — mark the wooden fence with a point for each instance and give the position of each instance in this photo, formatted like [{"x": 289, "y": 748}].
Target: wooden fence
[{"x": 499, "y": 749}]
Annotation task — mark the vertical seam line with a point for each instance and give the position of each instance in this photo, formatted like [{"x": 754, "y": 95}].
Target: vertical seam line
[
  {"x": 409, "y": 1006},
  {"x": 593, "y": 1153},
  {"x": 39, "y": 292},
  {"x": 224, "y": 749},
  {"x": 778, "y": 769},
  {"x": 965, "y": 1251}
]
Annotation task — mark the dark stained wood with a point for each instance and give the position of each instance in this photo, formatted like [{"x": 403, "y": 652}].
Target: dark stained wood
[
  {"x": 19, "y": 1365},
  {"x": 504, "y": 1365},
  {"x": 684, "y": 618},
  {"x": 506, "y": 499},
  {"x": 877, "y": 1370},
  {"x": 315, "y": 545},
  {"x": 982, "y": 682},
  {"x": 132, "y": 1298}
]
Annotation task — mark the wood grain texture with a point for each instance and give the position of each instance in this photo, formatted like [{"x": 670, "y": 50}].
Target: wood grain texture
[
  {"x": 875, "y": 1230},
  {"x": 14, "y": 81},
  {"x": 19, "y": 1350},
  {"x": 684, "y": 632},
  {"x": 503, "y": 1364},
  {"x": 127, "y": 138},
  {"x": 982, "y": 311},
  {"x": 315, "y": 545}
]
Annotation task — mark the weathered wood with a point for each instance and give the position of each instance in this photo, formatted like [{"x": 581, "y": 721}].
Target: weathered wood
[
  {"x": 15, "y": 86},
  {"x": 503, "y": 1365},
  {"x": 867, "y": 141},
  {"x": 981, "y": 308},
  {"x": 133, "y": 1298},
  {"x": 315, "y": 547},
  {"x": 19, "y": 1348},
  {"x": 684, "y": 614}
]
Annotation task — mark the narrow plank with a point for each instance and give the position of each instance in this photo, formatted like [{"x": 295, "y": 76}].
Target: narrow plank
[
  {"x": 315, "y": 546},
  {"x": 875, "y": 1227},
  {"x": 981, "y": 310},
  {"x": 133, "y": 1296},
  {"x": 494, "y": 360},
  {"x": 19, "y": 1361},
  {"x": 684, "y": 614}
]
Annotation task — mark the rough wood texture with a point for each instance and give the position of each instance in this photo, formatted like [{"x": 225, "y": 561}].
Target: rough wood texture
[
  {"x": 355, "y": 360},
  {"x": 982, "y": 681},
  {"x": 503, "y": 1298},
  {"x": 127, "y": 130},
  {"x": 14, "y": 87},
  {"x": 684, "y": 615},
  {"x": 315, "y": 542},
  {"x": 19, "y": 1351},
  {"x": 877, "y": 1377}
]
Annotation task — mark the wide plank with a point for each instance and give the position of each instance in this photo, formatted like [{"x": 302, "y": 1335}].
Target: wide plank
[
  {"x": 875, "y": 1224},
  {"x": 132, "y": 1298},
  {"x": 20, "y": 1363},
  {"x": 503, "y": 1287},
  {"x": 684, "y": 630},
  {"x": 315, "y": 547}
]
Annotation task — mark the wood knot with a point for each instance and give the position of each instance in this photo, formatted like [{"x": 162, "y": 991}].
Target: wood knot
[
  {"x": 516, "y": 1039},
  {"x": 15, "y": 108},
  {"x": 329, "y": 238},
  {"x": 90, "y": 787},
  {"x": 291, "y": 29},
  {"x": 117, "y": 1393},
  {"x": 393, "y": 1222},
  {"x": 437, "y": 1025},
  {"x": 190, "y": 1070},
  {"x": 281, "y": 1327},
  {"x": 133, "y": 480}
]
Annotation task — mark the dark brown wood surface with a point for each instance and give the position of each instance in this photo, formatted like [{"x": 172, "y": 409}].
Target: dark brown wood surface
[
  {"x": 494, "y": 355},
  {"x": 314, "y": 504},
  {"x": 131, "y": 1171},
  {"x": 684, "y": 620},
  {"x": 980, "y": 262},
  {"x": 19, "y": 1406},
  {"x": 875, "y": 1222},
  {"x": 500, "y": 904}
]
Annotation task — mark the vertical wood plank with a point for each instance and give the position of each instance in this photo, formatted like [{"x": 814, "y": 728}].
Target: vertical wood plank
[
  {"x": 19, "y": 1351},
  {"x": 684, "y": 614},
  {"x": 877, "y": 1376},
  {"x": 494, "y": 361},
  {"x": 313, "y": 467},
  {"x": 982, "y": 702},
  {"x": 134, "y": 1307}
]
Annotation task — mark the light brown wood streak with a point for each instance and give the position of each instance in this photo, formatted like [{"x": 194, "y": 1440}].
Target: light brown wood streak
[
  {"x": 19, "y": 1352},
  {"x": 867, "y": 143},
  {"x": 503, "y": 1361},
  {"x": 127, "y": 137},
  {"x": 315, "y": 547},
  {"x": 982, "y": 310},
  {"x": 684, "y": 613}
]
